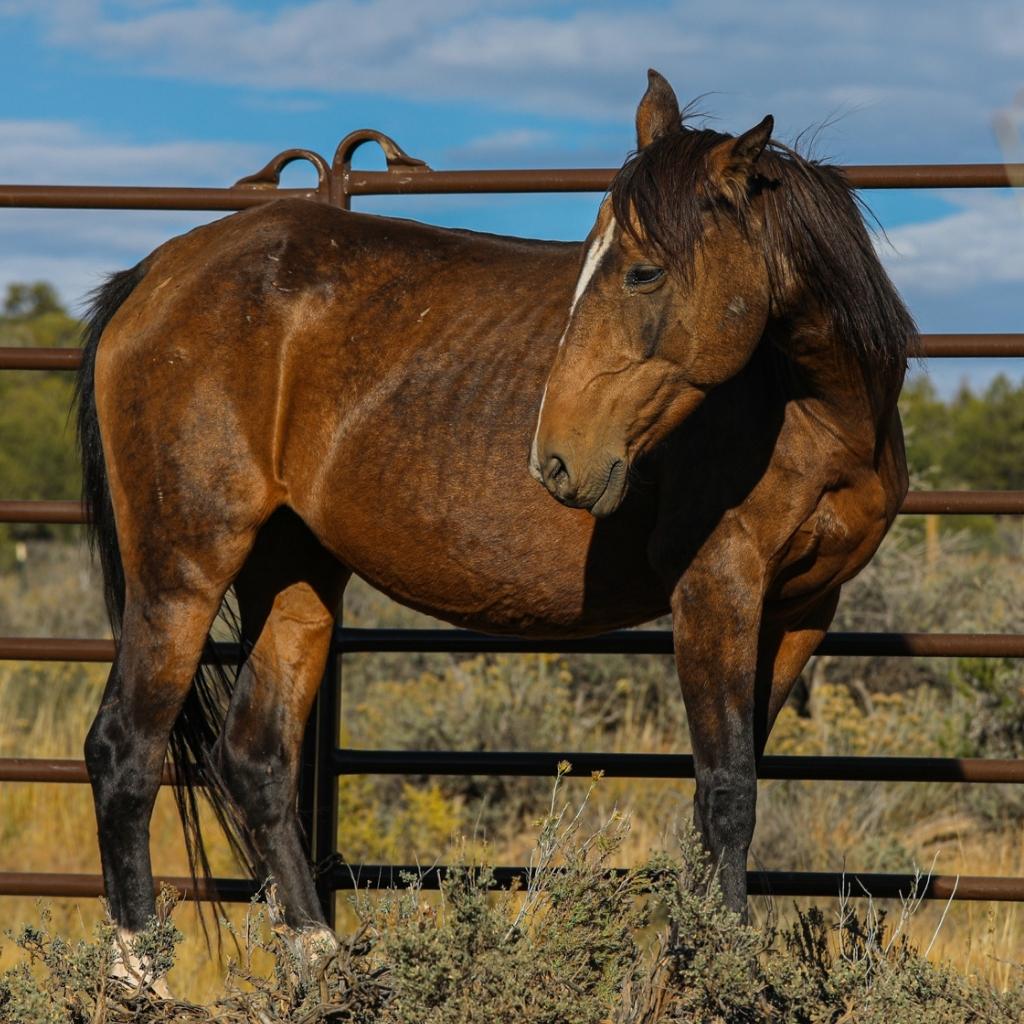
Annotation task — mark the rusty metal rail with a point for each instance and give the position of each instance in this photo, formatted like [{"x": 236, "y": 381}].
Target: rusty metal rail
[
  {"x": 121, "y": 197},
  {"x": 409, "y": 177},
  {"x": 963, "y": 503},
  {"x": 53, "y": 512},
  {"x": 933, "y": 346},
  {"x": 917, "y": 503},
  {"x": 348, "y": 640},
  {"x": 971, "y": 346},
  {"x": 71, "y": 886},
  {"x": 880, "y": 176},
  {"x": 337, "y": 183}
]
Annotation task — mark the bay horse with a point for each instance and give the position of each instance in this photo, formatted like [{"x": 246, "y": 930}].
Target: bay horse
[{"x": 294, "y": 393}]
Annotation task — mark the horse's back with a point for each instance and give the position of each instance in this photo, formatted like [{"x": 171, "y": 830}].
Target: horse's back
[{"x": 295, "y": 303}]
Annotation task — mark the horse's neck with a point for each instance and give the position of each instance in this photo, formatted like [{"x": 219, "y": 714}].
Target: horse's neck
[{"x": 817, "y": 369}]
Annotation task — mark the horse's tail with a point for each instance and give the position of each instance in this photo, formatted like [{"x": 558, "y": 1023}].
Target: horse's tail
[
  {"x": 202, "y": 716},
  {"x": 105, "y": 301}
]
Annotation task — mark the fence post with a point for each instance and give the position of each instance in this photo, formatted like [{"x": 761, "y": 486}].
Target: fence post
[{"x": 318, "y": 782}]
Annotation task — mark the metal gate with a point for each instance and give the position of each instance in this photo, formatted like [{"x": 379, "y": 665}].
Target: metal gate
[{"x": 322, "y": 761}]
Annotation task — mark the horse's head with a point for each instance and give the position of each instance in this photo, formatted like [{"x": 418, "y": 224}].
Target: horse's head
[{"x": 672, "y": 299}]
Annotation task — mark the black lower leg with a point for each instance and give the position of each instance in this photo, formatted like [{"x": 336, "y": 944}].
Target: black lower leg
[
  {"x": 259, "y": 763},
  {"x": 125, "y": 755},
  {"x": 724, "y": 812}
]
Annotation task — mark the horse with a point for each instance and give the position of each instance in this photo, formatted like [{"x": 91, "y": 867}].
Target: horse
[{"x": 296, "y": 393}]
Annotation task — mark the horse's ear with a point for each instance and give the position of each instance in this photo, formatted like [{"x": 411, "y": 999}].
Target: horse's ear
[
  {"x": 658, "y": 112},
  {"x": 731, "y": 163}
]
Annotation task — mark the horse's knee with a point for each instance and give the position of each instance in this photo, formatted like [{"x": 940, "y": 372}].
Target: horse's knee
[
  {"x": 98, "y": 749},
  {"x": 113, "y": 759}
]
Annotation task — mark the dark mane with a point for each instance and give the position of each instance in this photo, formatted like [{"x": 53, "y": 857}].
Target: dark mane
[{"x": 814, "y": 229}]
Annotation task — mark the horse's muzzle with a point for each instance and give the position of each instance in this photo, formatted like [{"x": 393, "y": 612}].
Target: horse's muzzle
[{"x": 600, "y": 493}]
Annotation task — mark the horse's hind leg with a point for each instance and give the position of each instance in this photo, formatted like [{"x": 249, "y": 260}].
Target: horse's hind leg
[
  {"x": 167, "y": 615},
  {"x": 288, "y": 593}
]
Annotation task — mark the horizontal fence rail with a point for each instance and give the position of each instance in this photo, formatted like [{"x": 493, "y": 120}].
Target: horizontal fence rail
[
  {"x": 659, "y": 641},
  {"x": 933, "y": 346},
  {"x": 69, "y": 886},
  {"x": 865, "y": 176},
  {"x": 964, "y": 503},
  {"x": 759, "y": 883},
  {"x": 672, "y": 766},
  {"x": 917, "y": 503},
  {"x": 54, "y": 512},
  {"x": 122, "y": 197},
  {"x": 349, "y": 877},
  {"x": 955, "y": 503},
  {"x": 337, "y": 183},
  {"x": 625, "y": 641},
  {"x": 544, "y": 764}
]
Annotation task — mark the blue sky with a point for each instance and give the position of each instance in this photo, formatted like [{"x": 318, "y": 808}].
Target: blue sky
[{"x": 182, "y": 93}]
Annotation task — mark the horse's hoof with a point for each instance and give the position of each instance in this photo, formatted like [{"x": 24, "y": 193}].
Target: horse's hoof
[
  {"x": 317, "y": 943},
  {"x": 160, "y": 988},
  {"x": 137, "y": 979},
  {"x": 309, "y": 946},
  {"x": 132, "y": 971}
]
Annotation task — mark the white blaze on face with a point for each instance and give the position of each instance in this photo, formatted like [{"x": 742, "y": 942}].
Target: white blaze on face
[
  {"x": 598, "y": 248},
  {"x": 595, "y": 254}
]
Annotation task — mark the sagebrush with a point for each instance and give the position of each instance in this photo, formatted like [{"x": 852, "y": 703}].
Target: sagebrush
[{"x": 580, "y": 944}]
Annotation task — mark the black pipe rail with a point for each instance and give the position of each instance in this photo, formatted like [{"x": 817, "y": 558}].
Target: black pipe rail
[
  {"x": 340, "y": 876},
  {"x": 544, "y": 764}
]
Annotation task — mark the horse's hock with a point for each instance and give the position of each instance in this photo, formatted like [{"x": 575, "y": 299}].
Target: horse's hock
[{"x": 337, "y": 183}]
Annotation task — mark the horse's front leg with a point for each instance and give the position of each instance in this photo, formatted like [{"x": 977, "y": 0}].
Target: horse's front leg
[{"x": 716, "y": 611}]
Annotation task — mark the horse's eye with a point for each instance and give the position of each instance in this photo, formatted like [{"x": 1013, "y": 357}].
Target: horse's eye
[{"x": 643, "y": 278}]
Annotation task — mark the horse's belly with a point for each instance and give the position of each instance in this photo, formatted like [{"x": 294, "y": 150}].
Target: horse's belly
[
  {"x": 477, "y": 542},
  {"x": 499, "y": 587}
]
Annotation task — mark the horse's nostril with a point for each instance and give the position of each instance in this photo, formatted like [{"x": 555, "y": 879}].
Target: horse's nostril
[{"x": 555, "y": 472}]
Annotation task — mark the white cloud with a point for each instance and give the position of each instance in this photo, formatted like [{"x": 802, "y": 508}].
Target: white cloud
[
  {"x": 55, "y": 152},
  {"x": 74, "y": 249},
  {"x": 1005, "y": 30},
  {"x": 801, "y": 58},
  {"x": 501, "y": 147},
  {"x": 285, "y": 104},
  {"x": 508, "y": 141},
  {"x": 982, "y": 243}
]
